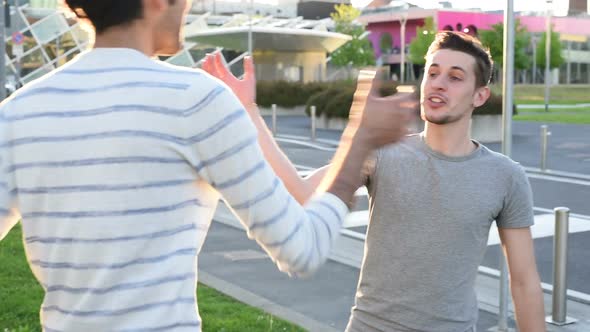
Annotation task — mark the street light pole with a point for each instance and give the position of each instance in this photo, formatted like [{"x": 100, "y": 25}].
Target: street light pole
[
  {"x": 547, "y": 54},
  {"x": 508, "y": 104},
  {"x": 2, "y": 52},
  {"x": 402, "y": 71},
  {"x": 250, "y": 27}
]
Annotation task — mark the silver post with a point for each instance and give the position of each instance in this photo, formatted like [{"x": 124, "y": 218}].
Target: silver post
[
  {"x": 313, "y": 119},
  {"x": 402, "y": 66},
  {"x": 274, "y": 119},
  {"x": 507, "y": 106},
  {"x": 250, "y": 10},
  {"x": 534, "y": 60},
  {"x": 3, "y": 52},
  {"x": 559, "y": 309},
  {"x": 544, "y": 139},
  {"x": 548, "y": 54}
]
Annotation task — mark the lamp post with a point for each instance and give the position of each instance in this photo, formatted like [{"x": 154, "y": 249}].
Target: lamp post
[
  {"x": 402, "y": 72},
  {"x": 3, "y": 51},
  {"x": 547, "y": 54},
  {"x": 250, "y": 10},
  {"x": 507, "y": 105}
]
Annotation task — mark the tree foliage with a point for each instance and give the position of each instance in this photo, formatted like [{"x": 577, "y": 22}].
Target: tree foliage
[
  {"x": 358, "y": 52},
  {"x": 556, "y": 58},
  {"x": 494, "y": 40},
  {"x": 419, "y": 46}
]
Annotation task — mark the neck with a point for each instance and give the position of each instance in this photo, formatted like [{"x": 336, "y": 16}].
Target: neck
[
  {"x": 451, "y": 139},
  {"x": 134, "y": 36}
]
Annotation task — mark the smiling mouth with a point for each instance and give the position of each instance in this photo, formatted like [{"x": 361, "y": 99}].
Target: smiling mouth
[{"x": 437, "y": 100}]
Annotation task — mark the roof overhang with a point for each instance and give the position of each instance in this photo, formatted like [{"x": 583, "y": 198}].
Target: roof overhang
[{"x": 270, "y": 39}]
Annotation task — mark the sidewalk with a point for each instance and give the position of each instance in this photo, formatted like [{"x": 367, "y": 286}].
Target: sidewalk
[{"x": 236, "y": 266}]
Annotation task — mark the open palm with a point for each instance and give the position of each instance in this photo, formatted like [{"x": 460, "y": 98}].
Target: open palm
[{"x": 245, "y": 88}]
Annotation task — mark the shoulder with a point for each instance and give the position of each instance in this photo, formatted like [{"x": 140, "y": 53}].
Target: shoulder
[{"x": 501, "y": 162}]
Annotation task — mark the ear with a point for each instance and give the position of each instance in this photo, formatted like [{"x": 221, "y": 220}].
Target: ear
[
  {"x": 154, "y": 8},
  {"x": 481, "y": 95}
]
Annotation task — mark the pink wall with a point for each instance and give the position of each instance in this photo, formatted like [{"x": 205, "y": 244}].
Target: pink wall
[
  {"x": 394, "y": 29},
  {"x": 484, "y": 21}
]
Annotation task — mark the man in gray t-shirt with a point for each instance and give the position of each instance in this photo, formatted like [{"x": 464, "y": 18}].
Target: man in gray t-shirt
[
  {"x": 433, "y": 199},
  {"x": 430, "y": 218}
]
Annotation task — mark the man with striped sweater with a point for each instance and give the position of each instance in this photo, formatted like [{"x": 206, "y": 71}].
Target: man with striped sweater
[{"x": 115, "y": 164}]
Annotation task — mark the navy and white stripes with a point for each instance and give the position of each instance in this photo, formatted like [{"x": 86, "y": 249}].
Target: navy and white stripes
[{"x": 116, "y": 172}]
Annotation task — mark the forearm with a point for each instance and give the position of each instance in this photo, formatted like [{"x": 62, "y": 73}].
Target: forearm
[
  {"x": 343, "y": 177},
  {"x": 301, "y": 189},
  {"x": 529, "y": 306}
]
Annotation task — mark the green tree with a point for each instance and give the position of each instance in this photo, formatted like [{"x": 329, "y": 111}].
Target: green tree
[
  {"x": 419, "y": 45},
  {"x": 358, "y": 52},
  {"x": 494, "y": 40},
  {"x": 386, "y": 42},
  {"x": 556, "y": 59}
]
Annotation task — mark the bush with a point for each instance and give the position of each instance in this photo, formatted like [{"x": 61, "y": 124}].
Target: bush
[
  {"x": 321, "y": 100},
  {"x": 339, "y": 105},
  {"x": 291, "y": 94},
  {"x": 493, "y": 106}
]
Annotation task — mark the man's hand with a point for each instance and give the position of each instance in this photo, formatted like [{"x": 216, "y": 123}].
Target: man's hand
[
  {"x": 244, "y": 88},
  {"x": 379, "y": 120}
]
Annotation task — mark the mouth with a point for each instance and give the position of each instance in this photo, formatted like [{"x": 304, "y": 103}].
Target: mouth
[{"x": 436, "y": 101}]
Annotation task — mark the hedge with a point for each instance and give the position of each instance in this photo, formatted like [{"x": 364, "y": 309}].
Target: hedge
[{"x": 334, "y": 98}]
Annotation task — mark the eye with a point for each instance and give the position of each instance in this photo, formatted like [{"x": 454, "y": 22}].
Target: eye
[
  {"x": 455, "y": 78},
  {"x": 431, "y": 74}
]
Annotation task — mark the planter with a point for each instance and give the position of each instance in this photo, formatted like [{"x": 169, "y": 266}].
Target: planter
[
  {"x": 297, "y": 110},
  {"x": 322, "y": 122},
  {"x": 486, "y": 128}
]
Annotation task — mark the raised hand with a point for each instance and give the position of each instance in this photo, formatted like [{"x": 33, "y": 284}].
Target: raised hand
[
  {"x": 380, "y": 120},
  {"x": 244, "y": 88}
]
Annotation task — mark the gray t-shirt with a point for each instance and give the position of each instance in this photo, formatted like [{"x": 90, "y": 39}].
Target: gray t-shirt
[{"x": 430, "y": 216}]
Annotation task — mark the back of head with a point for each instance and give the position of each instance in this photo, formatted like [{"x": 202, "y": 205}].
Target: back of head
[
  {"x": 462, "y": 42},
  {"x": 104, "y": 14}
]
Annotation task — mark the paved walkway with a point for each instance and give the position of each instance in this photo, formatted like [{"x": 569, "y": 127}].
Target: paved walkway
[{"x": 236, "y": 266}]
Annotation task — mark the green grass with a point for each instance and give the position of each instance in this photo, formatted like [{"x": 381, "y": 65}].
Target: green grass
[
  {"x": 558, "y": 117},
  {"x": 559, "y": 94},
  {"x": 21, "y": 296}
]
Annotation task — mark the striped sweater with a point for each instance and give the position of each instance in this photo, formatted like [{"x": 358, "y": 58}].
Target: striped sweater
[{"x": 116, "y": 162}]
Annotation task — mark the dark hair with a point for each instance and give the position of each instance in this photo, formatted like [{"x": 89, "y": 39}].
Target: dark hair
[
  {"x": 104, "y": 14},
  {"x": 462, "y": 42}
]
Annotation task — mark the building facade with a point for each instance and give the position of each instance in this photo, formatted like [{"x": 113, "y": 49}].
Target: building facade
[{"x": 574, "y": 34}]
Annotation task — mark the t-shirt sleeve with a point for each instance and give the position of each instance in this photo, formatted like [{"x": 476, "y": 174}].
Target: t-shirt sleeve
[
  {"x": 517, "y": 210},
  {"x": 9, "y": 215},
  {"x": 298, "y": 238},
  {"x": 368, "y": 172}
]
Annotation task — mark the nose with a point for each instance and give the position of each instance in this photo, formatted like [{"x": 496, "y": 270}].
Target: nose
[{"x": 438, "y": 83}]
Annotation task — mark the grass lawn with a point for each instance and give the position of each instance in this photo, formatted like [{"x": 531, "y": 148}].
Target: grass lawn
[
  {"x": 582, "y": 117},
  {"x": 559, "y": 94},
  {"x": 21, "y": 296}
]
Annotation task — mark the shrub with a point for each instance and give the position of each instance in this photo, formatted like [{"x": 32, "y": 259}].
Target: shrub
[
  {"x": 321, "y": 100},
  {"x": 493, "y": 106},
  {"x": 291, "y": 94},
  {"x": 339, "y": 105}
]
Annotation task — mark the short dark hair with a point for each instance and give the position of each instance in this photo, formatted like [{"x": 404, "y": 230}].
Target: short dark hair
[
  {"x": 462, "y": 42},
  {"x": 104, "y": 14}
]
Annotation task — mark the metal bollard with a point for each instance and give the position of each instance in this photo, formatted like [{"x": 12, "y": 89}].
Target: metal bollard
[
  {"x": 559, "y": 306},
  {"x": 504, "y": 296},
  {"x": 544, "y": 134},
  {"x": 313, "y": 119},
  {"x": 274, "y": 119}
]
